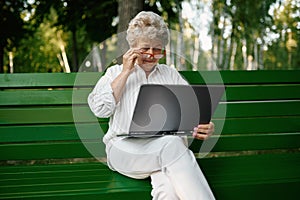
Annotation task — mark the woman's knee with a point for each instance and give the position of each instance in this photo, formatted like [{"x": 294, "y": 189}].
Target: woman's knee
[{"x": 173, "y": 150}]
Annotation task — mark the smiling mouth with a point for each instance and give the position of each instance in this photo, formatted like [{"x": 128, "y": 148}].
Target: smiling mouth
[{"x": 149, "y": 60}]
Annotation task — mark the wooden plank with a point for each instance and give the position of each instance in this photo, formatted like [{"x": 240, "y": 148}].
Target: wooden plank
[
  {"x": 56, "y": 150},
  {"x": 230, "y": 126},
  {"x": 51, "y": 150},
  {"x": 40, "y": 115},
  {"x": 28, "y": 170},
  {"x": 246, "y": 142},
  {"x": 90, "y": 194},
  {"x": 257, "y": 109},
  {"x": 89, "y": 78},
  {"x": 242, "y": 76},
  {"x": 57, "y": 132},
  {"x": 52, "y": 132},
  {"x": 257, "y": 125},
  {"x": 27, "y": 80},
  {"x": 262, "y": 92},
  {"x": 43, "y": 97},
  {"x": 79, "y": 96},
  {"x": 82, "y": 113}
]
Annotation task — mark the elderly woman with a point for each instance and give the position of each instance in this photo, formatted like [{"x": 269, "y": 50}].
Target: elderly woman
[{"x": 172, "y": 167}]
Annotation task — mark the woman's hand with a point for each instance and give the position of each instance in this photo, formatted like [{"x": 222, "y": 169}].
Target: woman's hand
[
  {"x": 204, "y": 131},
  {"x": 129, "y": 59},
  {"x": 119, "y": 83}
]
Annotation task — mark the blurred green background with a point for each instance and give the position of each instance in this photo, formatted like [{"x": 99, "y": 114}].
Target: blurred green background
[{"x": 59, "y": 35}]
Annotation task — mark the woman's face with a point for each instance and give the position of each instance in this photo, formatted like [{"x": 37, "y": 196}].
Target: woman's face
[{"x": 151, "y": 51}]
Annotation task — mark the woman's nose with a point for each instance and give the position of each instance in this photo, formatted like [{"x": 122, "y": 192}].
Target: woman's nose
[{"x": 150, "y": 50}]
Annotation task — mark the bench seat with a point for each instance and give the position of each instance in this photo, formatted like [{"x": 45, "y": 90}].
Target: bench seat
[{"x": 245, "y": 176}]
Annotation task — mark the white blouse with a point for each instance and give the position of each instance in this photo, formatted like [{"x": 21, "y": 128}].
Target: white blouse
[{"x": 102, "y": 102}]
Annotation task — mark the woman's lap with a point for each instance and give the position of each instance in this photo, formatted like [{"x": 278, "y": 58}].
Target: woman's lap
[{"x": 139, "y": 157}]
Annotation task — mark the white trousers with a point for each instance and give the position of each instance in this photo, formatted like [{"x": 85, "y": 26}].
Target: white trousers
[{"x": 172, "y": 167}]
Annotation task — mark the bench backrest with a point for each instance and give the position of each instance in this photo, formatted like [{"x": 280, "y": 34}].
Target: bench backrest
[{"x": 46, "y": 116}]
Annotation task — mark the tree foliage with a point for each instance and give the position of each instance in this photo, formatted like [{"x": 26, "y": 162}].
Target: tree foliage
[
  {"x": 255, "y": 38},
  {"x": 12, "y": 25},
  {"x": 47, "y": 36},
  {"x": 41, "y": 50}
]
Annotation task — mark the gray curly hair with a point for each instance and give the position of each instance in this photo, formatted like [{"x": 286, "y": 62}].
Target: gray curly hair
[{"x": 147, "y": 25}]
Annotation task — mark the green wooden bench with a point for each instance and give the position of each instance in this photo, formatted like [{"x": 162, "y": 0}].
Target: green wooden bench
[{"x": 46, "y": 129}]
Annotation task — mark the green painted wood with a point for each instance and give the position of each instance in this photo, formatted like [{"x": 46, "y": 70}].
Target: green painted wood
[
  {"x": 62, "y": 189},
  {"x": 73, "y": 184},
  {"x": 241, "y": 76},
  {"x": 82, "y": 113},
  {"x": 48, "y": 80},
  {"x": 57, "y": 132},
  {"x": 37, "y": 122},
  {"x": 267, "y": 176},
  {"x": 51, "y": 150},
  {"x": 51, "y": 114},
  {"x": 89, "y": 79},
  {"x": 257, "y": 109},
  {"x": 65, "y": 180},
  {"x": 52, "y": 132},
  {"x": 27, "y": 170},
  {"x": 56, "y": 150},
  {"x": 43, "y": 97},
  {"x": 67, "y": 96},
  {"x": 116, "y": 194},
  {"x": 274, "y": 191},
  {"x": 246, "y": 174},
  {"x": 244, "y": 142},
  {"x": 258, "y": 125},
  {"x": 262, "y": 92},
  {"x": 244, "y": 170}
]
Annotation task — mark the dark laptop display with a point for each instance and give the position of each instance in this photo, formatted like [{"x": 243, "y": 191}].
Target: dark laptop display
[{"x": 173, "y": 109}]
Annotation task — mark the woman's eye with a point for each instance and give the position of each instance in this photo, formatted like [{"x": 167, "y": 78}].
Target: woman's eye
[
  {"x": 157, "y": 50},
  {"x": 145, "y": 49}
]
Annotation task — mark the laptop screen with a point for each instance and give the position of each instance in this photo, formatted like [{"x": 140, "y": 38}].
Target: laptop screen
[{"x": 173, "y": 108}]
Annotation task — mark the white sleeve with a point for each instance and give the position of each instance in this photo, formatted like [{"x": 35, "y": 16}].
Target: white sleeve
[
  {"x": 101, "y": 100},
  {"x": 178, "y": 78}
]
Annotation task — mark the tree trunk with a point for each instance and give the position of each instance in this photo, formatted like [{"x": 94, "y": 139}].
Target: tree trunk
[
  {"x": 11, "y": 62},
  {"x": 1, "y": 59},
  {"x": 127, "y": 9},
  {"x": 229, "y": 61},
  {"x": 256, "y": 57},
  {"x": 244, "y": 53},
  {"x": 74, "y": 52},
  {"x": 214, "y": 50},
  {"x": 180, "y": 58},
  {"x": 103, "y": 49},
  {"x": 233, "y": 53},
  {"x": 196, "y": 53},
  {"x": 261, "y": 54}
]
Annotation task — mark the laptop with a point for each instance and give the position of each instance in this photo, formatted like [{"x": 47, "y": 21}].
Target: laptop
[{"x": 173, "y": 109}]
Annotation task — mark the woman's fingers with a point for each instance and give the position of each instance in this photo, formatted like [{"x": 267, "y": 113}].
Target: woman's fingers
[
  {"x": 129, "y": 58},
  {"x": 204, "y": 131}
]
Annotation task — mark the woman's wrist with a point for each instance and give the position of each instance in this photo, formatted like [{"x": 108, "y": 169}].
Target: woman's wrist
[{"x": 126, "y": 72}]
